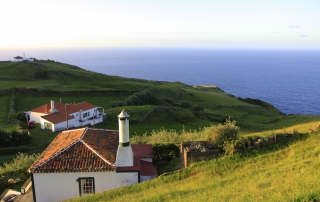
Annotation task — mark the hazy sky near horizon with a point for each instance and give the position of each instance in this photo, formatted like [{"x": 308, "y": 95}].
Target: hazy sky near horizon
[{"x": 289, "y": 24}]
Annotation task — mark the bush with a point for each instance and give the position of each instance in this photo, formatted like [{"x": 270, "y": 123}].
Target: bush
[
  {"x": 14, "y": 138},
  {"x": 197, "y": 108},
  {"x": 223, "y": 132},
  {"x": 21, "y": 116},
  {"x": 117, "y": 103},
  {"x": 16, "y": 169},
  {"x": 165, "y": 152},
  {"x": 167, "y": 100},
  {"x": 169, "y": 136},
  {"x": 185, "y": 104},
  {"x": 141, "y": 98}
]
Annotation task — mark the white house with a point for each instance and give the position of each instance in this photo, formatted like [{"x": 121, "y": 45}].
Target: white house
[
  {"x": 87, "y": 161},
  {"x": 56, "y": 116},
  {"x": 21, "y": 59}
]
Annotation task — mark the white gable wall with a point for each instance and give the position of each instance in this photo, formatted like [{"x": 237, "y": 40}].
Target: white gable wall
[
  {"x": 36, "y": 116},
  {"x": 17, "y": 60},
  {"x": 61, "y": 186},
  {"x": 63, "y": 125},
  {"x": 71, "y": 123}
]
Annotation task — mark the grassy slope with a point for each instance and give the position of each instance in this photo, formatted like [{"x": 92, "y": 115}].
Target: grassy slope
[
  {"x": 73, "y": 84},
  {"x": 272, "y": 174},
  {"x": 286, "y": 172}
]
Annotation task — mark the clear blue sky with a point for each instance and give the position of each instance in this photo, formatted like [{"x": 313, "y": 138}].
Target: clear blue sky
[{"x": 167, "y": 23}]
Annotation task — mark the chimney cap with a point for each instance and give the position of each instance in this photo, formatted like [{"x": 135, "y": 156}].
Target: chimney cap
[{"x": 123, "y": 114}]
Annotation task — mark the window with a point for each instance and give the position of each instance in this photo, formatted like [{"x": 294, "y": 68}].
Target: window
[
  {"x": 47, "y": 126},
  {"x": 86, "y": 186},
  {"x": 86, "y": 114}
]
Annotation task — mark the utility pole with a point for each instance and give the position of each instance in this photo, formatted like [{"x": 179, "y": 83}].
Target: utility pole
[{"x": 65, "y": 107}]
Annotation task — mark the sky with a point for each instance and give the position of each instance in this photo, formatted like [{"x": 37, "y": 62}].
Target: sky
[{"x": 262, "y": 24}]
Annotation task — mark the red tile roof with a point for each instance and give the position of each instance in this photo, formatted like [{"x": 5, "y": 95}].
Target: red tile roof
[
  {"x": 70, "y": 108},
  {"x": 142, "y": 150},
  {"x": 147, "y": 169},
  {"x": 79, "y": 150},
  {"x": 45, "y": 109},
  {"x": 57, "y": 117},
  {"x": 60, "y": 116},
  {"x": 89, "y": 150}
]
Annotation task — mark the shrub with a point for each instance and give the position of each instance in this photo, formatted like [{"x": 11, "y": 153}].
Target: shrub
[
  {"x": 165, "y": 152},
  {"x": 185, "y": 104},
  {"x": 21, "y": 116},
  {"x": 140, "y": 139},
  {"x": 141, "y": 98},
  {"x": 16, "y": 169},
  {"x": 14, "y": 138},
  {"x": 197, "y": 108},
  {"x": 167, "y": 100},
  {"x": 223, "y": 132},
  {"x": 117, "y": 103}
]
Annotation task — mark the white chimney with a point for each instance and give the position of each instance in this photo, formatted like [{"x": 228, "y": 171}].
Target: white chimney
[
  {"x": 52, "y": 110},
  {"x": 125, "y": 153},
  {"x": 80, "y": 112}
]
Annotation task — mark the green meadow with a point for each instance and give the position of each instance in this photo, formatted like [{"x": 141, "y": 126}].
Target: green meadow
[
  {"x": 282, "y": 172},
  {"x": 288, "y": 171}
]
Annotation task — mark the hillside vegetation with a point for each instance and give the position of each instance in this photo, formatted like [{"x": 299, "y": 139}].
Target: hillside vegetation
[
  {"x": 170, "y": 112},
  {"x": 287, "y": 171},
  {"x": 183, "y": 106}
]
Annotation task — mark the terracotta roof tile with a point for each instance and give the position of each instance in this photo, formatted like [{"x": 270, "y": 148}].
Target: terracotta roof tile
[
  {"x": 80, "y": 150},
  {"x": 142, "y": 150},
  {"x": 57, "y": 117},
  {"x": 45, "y": 109},
  {"x": 60, "y": 116},
  {"x": 71, "y": 108}
]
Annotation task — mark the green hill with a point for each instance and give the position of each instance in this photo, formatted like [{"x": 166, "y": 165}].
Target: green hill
[
  {"x": 284, "y": 172},
  {"x": 36, "y": 83}
]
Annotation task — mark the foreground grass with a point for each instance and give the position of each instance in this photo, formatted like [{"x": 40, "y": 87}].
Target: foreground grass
[{"x": 286, "y": 172}]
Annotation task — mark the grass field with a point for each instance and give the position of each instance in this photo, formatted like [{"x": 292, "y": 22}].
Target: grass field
[
  {"x": 283, "y": 172},
  {"x": 267, "y": 175}
]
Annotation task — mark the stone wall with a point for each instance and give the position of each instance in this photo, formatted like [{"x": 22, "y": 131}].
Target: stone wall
[{"x": 197, "y": 151}]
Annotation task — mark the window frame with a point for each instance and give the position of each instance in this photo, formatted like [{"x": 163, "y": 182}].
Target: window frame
[
  {"x": 86, "y": 114},
  {"x": 81, "y": 182}
]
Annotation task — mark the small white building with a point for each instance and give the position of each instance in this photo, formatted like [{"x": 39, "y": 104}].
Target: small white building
[
  {"x": 87, "y": 161},
  {"x": 18, "y": 59},
  {"x": 21, "y": 59},
  {"x": 56, "y": 116}
]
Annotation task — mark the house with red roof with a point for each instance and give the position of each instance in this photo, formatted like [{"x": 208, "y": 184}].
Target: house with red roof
[
  {"x": 57, "y": 117},
  {"x": 86, "y": 161},
  {"x": 21, "y": 59}
]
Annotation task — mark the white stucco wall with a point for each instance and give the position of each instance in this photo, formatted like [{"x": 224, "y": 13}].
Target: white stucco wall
[
  {"x": 17, "y": 60},
  {"x": 63, "y": 125},
  {"x": 36, "y": 116},
  {"x": 61, "y": 186}
]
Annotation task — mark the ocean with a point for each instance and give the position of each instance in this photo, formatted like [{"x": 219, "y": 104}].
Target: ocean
[{"x": 288, "y": 79}]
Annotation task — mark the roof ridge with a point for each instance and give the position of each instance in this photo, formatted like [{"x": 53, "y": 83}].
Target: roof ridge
[
  {"x": 94, "y": 151},
  {"x": 53, "y": 156}
]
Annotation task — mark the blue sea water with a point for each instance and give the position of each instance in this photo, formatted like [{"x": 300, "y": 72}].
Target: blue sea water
[{"x": 288, "y": 79}]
